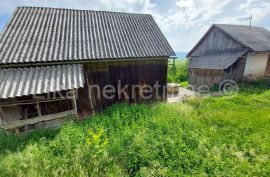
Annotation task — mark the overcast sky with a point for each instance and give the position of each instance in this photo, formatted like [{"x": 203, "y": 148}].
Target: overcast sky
[{"x": 182, "y": 21}]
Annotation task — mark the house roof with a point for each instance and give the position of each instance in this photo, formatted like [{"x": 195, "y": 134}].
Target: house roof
[
  {"x": 217, "y": 59},
  {"x": 37, "y": 34},
  {"x": 256, "y": 38},
  {"x": 15, "y": 82}
]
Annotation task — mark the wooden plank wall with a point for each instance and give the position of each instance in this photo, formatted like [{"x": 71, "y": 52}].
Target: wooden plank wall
[
  {"x": 236, "y": 71},
  {"x": 97, "y": 73},
  {"x": 210, "y": 77},
  {"x": 199, "y": 77},
  {"x": 9, "y": 114},
  {"x": 215, "y": 40},
  {"x": 129, "y": 73}
]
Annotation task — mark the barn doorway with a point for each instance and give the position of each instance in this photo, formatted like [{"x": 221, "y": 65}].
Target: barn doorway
[{"x": 267, "y": 73}]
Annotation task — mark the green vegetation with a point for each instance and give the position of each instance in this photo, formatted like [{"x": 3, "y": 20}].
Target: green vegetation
[
  {"x": 221, "y": 136},
  {"x": 181, "y": 71}
]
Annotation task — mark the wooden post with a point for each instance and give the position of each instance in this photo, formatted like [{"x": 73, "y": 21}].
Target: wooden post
[
  {"x": 26, "y": 127},
  {"x": 174, "y": 68},
  {"x": 90, "y": 98},
  {"x": 75, "y": 104},
  {"x": 38, "y": 109}
]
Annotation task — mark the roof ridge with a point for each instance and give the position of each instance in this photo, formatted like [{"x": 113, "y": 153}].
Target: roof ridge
[{"x": 221, "y": 24}]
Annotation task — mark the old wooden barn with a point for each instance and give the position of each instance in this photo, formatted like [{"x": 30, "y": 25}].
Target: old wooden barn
[
  {"x": 49, "y": 59},
  {"x": 230, "y": 52}
]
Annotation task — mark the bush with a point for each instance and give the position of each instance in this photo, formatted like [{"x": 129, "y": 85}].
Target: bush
[{"x": 181, "y": 71}]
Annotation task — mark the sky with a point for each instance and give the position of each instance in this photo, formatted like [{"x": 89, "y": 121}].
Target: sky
[{"x": 183, "y": 22}]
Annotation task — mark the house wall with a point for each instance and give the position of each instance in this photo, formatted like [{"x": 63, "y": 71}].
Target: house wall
[
  {"x": 256, "y": 65},
  {"x": 136, "y": 72},
  {"x": 215, "y": 40}
]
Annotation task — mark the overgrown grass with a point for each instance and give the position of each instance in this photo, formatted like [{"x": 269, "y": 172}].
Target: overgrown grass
[
  {"x": 214, "y": 136},
  {"x": 181, "y": 71}
]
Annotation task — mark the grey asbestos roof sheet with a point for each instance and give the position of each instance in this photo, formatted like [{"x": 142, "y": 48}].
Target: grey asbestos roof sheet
[
  {"x": 15, "y": 82},
  {"x": 36, "y": 34},
  {"x": 217, "y": 59},
  {"x": 256, "y": 38}
]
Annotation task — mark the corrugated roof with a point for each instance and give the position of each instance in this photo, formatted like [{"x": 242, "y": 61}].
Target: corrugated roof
[
  {"x": 36, "y": 34},
  {"x": 256, "y": 38},
  {"x": 37, "y": 80},
  {"x": 217, "y": 59}
]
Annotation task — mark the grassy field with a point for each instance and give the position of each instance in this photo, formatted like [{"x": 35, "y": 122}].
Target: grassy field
[
  {"x": 221, "y": 136},
  {"x": 181, "y": 72}
]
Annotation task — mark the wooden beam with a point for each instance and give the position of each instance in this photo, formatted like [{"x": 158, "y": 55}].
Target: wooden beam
[
  {"x": 174, "y": 69},
  {"x": 19, "y": 123},
  {"x": 90, "y": 98},
  {"x": 38, "y": 109},
  {"x": 26, "y": 127},
  {"x": 75, "y": 103},
  {"x": 32, "y": 102}
]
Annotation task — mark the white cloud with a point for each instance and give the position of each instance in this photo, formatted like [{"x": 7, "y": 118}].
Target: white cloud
[
  {"x": 246, "y": 4},
  {"x": 7, "y": 6},
  {"x": 258, "y": 9},
  {"x": 186, "y": 22},
  {"x": 182, "y": 21}
]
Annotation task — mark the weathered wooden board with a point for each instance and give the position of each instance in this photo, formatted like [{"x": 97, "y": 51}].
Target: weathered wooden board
[
  {"x": 9, "y": 114},
  {"x": 210, "y": 77},
  {"x": 19, "y": 123},
  {"x": 129, "y": 72},
  {"x": 215, "y": 40},
  {"x": 135, "y": 72},
  {"x": 267, "y": 72}
]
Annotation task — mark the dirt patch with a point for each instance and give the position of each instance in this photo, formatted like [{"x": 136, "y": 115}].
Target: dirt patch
[{"x": 183, "y": 94}]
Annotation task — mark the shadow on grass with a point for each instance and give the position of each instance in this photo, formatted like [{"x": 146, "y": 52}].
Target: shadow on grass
[
  {"x": 255, "y": 86},
  {"x": 13, "y": 142}
]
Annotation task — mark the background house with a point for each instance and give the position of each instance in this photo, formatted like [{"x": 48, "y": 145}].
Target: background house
[
  {"x": 49, "y": 52},
  {"x": 230, "y": 52}
]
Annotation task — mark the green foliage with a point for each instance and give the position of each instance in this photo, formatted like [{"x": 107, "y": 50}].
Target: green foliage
[
  {"x": 14, "y": 143},
  {"x": 184, "y": 84},
  {"x": 221, "y": 136},
  {"x": 181, "y": 71}
]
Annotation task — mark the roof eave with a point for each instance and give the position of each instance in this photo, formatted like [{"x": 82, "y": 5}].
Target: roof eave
[{"x": 82, "y": 61}]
